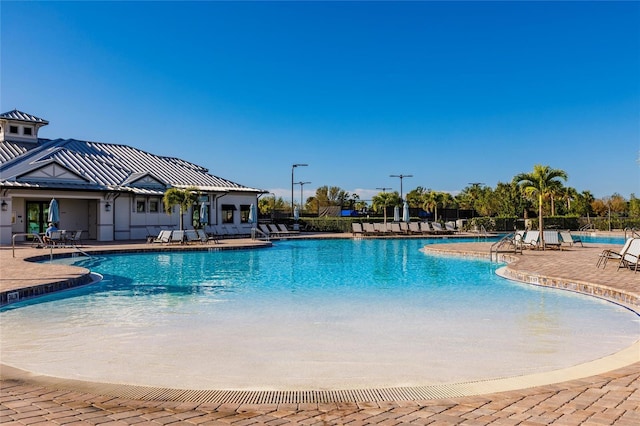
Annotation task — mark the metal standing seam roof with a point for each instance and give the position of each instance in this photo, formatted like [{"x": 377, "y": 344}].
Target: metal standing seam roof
[
  {"x": 22, "y": 116},
  {"x": 111, "y": 166}
]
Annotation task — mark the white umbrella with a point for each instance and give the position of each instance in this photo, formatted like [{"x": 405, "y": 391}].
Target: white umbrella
[
  {"x": 253, "y": 217},
  {"x": 396, "y": 214},
  {"x": 405, "y": 212},
  {"x": 296, "y": 213},
  {"x": 54, "y": 212}
]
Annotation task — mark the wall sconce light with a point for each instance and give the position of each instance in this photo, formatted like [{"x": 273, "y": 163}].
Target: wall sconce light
[
  {"x": 4, "y": 206},
  {"x": 107, "y": 207}
]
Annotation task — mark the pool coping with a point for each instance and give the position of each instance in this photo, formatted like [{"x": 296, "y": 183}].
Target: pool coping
[{"x": 625, "y": 357}]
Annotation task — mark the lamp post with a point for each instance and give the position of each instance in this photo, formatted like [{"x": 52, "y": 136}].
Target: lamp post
[
  {"x": 293, "y": 167},
  {"x": 302, "y": 184},
  {"x": 401, "y": 177}
]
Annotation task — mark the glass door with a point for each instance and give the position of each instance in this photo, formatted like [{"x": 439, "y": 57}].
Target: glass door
[{"x": 37, "y": 213}]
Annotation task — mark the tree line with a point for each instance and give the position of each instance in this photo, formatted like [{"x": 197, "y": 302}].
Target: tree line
[{"x": 538, "y": 193}]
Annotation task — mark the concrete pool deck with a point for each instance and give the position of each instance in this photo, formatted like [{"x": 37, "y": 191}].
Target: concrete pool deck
[{"x": 608, "y": 397}]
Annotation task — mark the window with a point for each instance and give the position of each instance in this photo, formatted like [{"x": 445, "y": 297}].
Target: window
[
  {"x": 27, "y": 131},
  {"x": 13, "y": 129},
  {"x": 227, "y": 213},
  {"x": 140, "y": 206},
  {"x": 154, "y": 206},
  {"x": 244, "y": 213}
]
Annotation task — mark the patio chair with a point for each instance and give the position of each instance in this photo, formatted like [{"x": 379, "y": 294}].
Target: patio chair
[
  {"x": 425, "y": 228},
  {"x": 404, "y": 227},
  {"x": 204, "y": 238},
  {"x": 531, "y": 239},
  {"x": 163, "y": 237},
  {"x": 612, "y": 254},
  {"x": 551, "y": 239},
  {"x": 356, "y": 229},
  {"x": 569, "y": 239},
  {"x": 177, "y": 237},
  {"x": 438, "y": 229},
  {"x": 395, "y": 228},
  {"x": 264, "y": 229},
  {"x": 74, "y": 239},
  {"x": 283, "y": 228},
  {"x": 191, "y": 236},
  {"x": 414, "y": 228},
  {"x": 369, "y": 229},
  {"x": 631, "y": 258},
  {"x": 449, "y": 226}
]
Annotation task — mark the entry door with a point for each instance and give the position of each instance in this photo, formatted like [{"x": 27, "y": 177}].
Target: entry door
[
  {"x": 37, "y": 215},
  {"x": 93, "y": 219}
]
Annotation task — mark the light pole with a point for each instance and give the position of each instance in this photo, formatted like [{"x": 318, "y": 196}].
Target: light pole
[
  {"x": 401, "y": 177},
  {"x": 293, "y": 167},
  {"x": 302, "y": 184}
]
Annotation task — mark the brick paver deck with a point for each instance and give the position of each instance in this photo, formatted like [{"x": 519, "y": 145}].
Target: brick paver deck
[{"x": 611, "y": 397}]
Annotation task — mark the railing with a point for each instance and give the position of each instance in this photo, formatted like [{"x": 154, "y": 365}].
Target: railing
[
  {"x": 511, "y": 239},
  {"x": 586, "y": 227},
  {"x": 633, "y": 233},
  {"x": 255, "y": 234}
]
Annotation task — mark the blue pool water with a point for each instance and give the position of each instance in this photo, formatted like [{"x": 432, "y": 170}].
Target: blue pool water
[{"x": 307, "y": 314}]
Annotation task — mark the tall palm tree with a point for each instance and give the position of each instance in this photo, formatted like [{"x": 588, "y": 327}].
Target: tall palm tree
[
  {"x": 384, "y": 199},
  {"x": 431, "y": 201},
  {"x": 184, "y": 198},
  {"x": 541, "y": 183}
]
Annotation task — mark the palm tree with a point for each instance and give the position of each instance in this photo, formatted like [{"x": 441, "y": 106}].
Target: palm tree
[
  {"x": 384, "y": 199},
  {"x": 184, "y": 198},
  {"x": 541, "y": 183},
  {"x": 431, "y": 201}
]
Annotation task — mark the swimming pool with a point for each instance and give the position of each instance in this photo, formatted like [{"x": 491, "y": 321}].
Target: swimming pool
[{"x": 313, "y": 314}]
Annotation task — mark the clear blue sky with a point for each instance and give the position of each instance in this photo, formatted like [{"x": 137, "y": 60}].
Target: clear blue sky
[{"x": 451, "y": 92}]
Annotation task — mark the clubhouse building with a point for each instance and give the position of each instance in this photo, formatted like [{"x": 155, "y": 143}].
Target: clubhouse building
[{"x": 109, "y": 191}]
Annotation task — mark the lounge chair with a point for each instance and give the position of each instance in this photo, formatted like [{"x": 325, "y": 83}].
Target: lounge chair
[
  {"x": 275, "y": 231},
  {"x": 204, "y": 238},
  {"x": 283, "y": 228},
  {"x": 264, "y": 229},
  {"x": 531, "y": 239},
  {"x": 404, "y": 227},
  {"x": 612, "y": 254},
  {"x": 569, "y": 239},
  {"x": 551, "y": 239},
  {"x": 369, "y": 229},
  {"x": 395, "y": 228},
  {"x": 426, "y": 228},
  {"x": 414, "y": 228},
  {"x": 74, "y": 239},
  {"x": 191, "y": 236},
  {"x": 163, "y": 237},
  {"x": 449, "y": 226},
  {"x": 631, "y": 257},
  {"x": 380, "y": 228},
  {"x": 177, "y": 237},
  {"x": 438, "y": 229},
  {"x": 356, "y": 229}
]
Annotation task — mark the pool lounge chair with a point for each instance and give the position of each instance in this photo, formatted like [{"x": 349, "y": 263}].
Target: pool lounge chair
[
  {"x": 426, "y": 228},
  {"x": 551, "y": 239},
  {"x": 608, "y": 254},
  {"x": 177, "y": 237},
  {"x": 569, "y": 239},
  {"x": 283, "y": 228},
  {"x": 356, "y": 229},
  {"x": 438, "y": 229},
  {"x": 191, "y": 236},
  {"x": 531, "y": 240},
  {"x": 631, "y": 258},
  {"x": 205, "y": 238},
  {"x": 163, "y": 237},
  {"x": 368, "y": 229},
  {"x": 414, "y": 228},
  {"x": 395, "y": 228},
  {"x": 449, "y": 226}
]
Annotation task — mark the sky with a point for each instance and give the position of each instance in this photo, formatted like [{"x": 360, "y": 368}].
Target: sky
[{"x": 451, "y": 93}]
